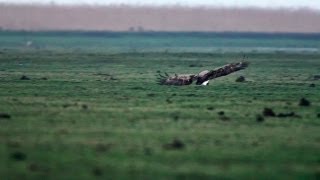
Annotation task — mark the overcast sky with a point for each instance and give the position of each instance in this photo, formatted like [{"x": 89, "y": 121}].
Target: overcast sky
[{"x": 314, "y": 4}]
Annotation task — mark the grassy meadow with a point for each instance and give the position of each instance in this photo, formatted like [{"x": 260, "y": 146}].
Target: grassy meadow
[{"x": 89, "y": 107}]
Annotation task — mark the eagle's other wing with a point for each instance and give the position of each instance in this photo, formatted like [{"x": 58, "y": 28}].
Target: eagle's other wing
[
  {"x": 222, "y": 71},
  {"x": 177, "y": 80}
]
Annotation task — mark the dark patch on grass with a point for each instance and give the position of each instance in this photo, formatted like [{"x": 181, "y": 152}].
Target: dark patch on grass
[
  {"x": 210, "y": 108},
  {"x": 284, "y": 115},
  {"x": 312, "y": 85},
  {"x": 316, "y": 77},
  {"x": 196, "y": 175},
  {"x": 66, "y": 105},
  {"x": 304, "y": 102},
  {"x": 137, "y": 88},
  {"x": 13, "y": 144},
  {"x": 221, "y": 113},
  {"x": 151, "y": 95},
  {"x": 147, "y": 151},
  {"x": 241, "y": 79},
  {"x": 24, "y": 77},
  {"x": 113, "y": 78},
  {"x": 97, "y": 171},
  {"x": 191, "y": 95},
  {"x": 259, "y": 118},
  {"x": 5, "y": 116},
  {"x": 218, "y": 142},
  {"x": 18, "y": 156},
  {"x": 169, "y": 101},
  {"x": 102, "y": 74},
  {"x": 195, "y": 65},
  {"x": 255, "y": 143},
  {"x": 318, "y": 115},
  {"x": 103, "y": 147},
  {"x": 224, "y": 118},
  {"x": 84, "y": 106},
  {"x": 176, "y": 144},
  {"x": 174, "y": 94},
  {"x": 175, "y": 116},
  {"x": 44, "y": 78},
  {"x": 33, "y": 167},
  {"x": 268, "y": 112},
  {"x": 62, "y": 132},
  {"x": 317, "y": 175}
]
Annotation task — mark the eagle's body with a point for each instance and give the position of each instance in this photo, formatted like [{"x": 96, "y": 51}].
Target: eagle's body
[{"x": 203, "y": 77}]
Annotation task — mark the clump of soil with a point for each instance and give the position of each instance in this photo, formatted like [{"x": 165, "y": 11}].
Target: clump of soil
[
  {"x": 151, "y": 95},
  {"x": 284, "y": 115},
  {"x": 147, "y": 151},
  {"x": 24, "y": 77},
  {"x": 176, "y": 144},
  {"x": 103, "y": 147},
  {"x": 38, "y": 168},
  {"x": 18, "y": 156},
  {"x": 259, "y": 118},
  {"x": 316, "y": 77},
  {"x": 191, "y": 95},
  {"x": 241, "y": 79},
  {"x": 304, "y": 102},
  {"x": 84, "y": 106},
  {"x": 5, "y": 116},
  {"x": 224, "y": 118},
  {"x": 221, "y": 113},
  {"x": 33, "y": 167},
  {"x": 210, "y": 108},
  {"x": 97, "y": 171},
  {"x": 268, "y": 112}
]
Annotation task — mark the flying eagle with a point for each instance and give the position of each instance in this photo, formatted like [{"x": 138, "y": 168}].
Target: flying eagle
[{"x": 203, "y": 77}]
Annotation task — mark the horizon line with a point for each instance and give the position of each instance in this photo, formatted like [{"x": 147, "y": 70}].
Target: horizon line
[
  {"x": 157, "y": 31},
  {"x": 116, "y": 5}
]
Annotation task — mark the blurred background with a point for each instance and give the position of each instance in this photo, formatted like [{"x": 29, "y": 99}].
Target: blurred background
[{"x": 298, "y": 16}]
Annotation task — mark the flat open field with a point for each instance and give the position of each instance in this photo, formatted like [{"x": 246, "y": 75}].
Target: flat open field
[{"x": 90, "y": 107}]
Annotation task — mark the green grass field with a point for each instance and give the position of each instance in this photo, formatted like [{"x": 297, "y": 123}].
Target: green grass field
[{"x": 92, "y": 108}]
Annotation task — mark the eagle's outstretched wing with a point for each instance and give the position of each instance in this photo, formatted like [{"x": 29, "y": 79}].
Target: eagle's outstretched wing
[
  {"x": 204, "y": 76},
  {"x": 222, "y": 71}
]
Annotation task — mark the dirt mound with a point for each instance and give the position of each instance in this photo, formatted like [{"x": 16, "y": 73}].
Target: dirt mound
[
  {"x": 304, "y": 102},
  {"x": 259, "y": 118},
  {"x": 24, "y": 78},
  {"x": 241, "y": 79},
  {"x": 5, "y": 116},
  {"x": 176, "y": 144},
  {"x": 268, "y": 112},
  {"x": 316, "y": 77},
  {"x": 284, "y": 115},
  {"x": 18, "y": 156}
]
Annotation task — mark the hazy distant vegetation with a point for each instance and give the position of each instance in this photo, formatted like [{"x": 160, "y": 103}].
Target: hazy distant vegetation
[{"x": 128, "y": 18}]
